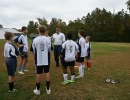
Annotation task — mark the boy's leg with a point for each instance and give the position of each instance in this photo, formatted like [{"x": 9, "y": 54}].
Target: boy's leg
[
  {"x": 25, "y": 62},
  {"x": 11, "y": 83},
  {"x": 39, "y": 76},
  {"x": 11, "y": 66},
  {"x": 65, "y": 75},
  {"x": 38, "y": 79},
  {"x": 80, "y": 71},
  {"x": 72, "y": 73},
  {"x": 83, "y": 67},
  {"x": 47, "y": 78},
  {"x": 20, "y": 64}
]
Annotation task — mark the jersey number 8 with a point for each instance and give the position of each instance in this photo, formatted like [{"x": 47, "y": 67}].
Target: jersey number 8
[{"x": 42, "y": 46}]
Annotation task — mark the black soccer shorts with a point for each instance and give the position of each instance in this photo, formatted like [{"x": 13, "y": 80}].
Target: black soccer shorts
[
  {"x": 23, "y": 55},
  {"x": 41, "y": 69}
]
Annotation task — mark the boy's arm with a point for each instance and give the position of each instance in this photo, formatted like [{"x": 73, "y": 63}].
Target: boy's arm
[
  {"x": 33, "y": 49},
  {"x": 12, "y": 51},
  {"x": 52, "y": 39},
  {"x": 77, "y": 50},
  {"x": 16, "y": 42},
  {"x": 63, "y": 38},
  {"x": 61, "y": 49}
]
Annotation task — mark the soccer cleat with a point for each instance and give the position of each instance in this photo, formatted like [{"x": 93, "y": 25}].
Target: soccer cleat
[
  {"x": 21, "y": 73},
  {"x": 70, "y": 81},
  {"x": 36, "y": 92},
  {"x": 48, "y": 91},
  {"x": 65, "y": 83},
  {"x": 14, "y": 90},
  {"x": 79, "y": 76},
  {"x": 107, "y": 80}
]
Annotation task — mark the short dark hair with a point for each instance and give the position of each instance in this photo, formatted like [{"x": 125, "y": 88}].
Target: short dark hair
[
  {"x": 81, "y": 32},
  {"x": 42, "y": 29},
  {"x": 8, "y": 35},
  {"x": 69, "y": 36},
  {"x": 23, "y": 28},
  {"x": 57, "y": 29}
]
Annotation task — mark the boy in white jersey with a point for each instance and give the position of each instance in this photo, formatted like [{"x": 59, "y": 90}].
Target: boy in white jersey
[
  {"x": 22, "y": 40},
  {"x": 88, "y": 49},
  {"x": 82, "y": 53},
  {"x": 69, "y": 51},
  {"x": 11, "y": 53},
  {"x": 41, "y": 47},
  {"x": 49, "y": 53}
]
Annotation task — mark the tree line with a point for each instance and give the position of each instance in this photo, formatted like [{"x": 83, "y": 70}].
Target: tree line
[{"x": 101, "y": 25}]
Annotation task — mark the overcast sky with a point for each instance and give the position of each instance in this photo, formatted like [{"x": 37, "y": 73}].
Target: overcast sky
[{"x": 17, "y": 13}]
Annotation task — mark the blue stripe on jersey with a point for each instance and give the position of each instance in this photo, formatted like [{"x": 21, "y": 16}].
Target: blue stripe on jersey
[
  {"x": 62, "y": 51},
  {"x": 49, "y": 57},
  {"x": 79, "y": 53},
  {"x": 20, "y": 42},
  {"x": 35, "y": 56},
  {"x": 89, "y": 51},
  {"x": 12, "y": 56},
  {"x": 16, "y": 51},
  {"x": 21, "y": 49},
  {"x": 16, "y": 39}
]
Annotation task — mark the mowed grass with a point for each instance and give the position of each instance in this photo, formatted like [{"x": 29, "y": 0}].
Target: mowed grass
[{"x": 109, "y": 60}]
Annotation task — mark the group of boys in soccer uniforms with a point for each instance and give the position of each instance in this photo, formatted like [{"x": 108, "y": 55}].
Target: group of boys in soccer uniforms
[{"x": 41, "y": 48}]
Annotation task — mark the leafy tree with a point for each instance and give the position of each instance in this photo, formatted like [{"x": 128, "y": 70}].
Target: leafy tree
[
  {"x": 100, "y": 24},
  {"x": 128, "y": 5},
  {"x": 42, "y": 21},
  {"x": 32, "y": 27}
]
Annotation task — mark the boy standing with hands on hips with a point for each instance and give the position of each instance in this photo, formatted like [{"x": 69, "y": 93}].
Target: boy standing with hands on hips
[
  {"x": 22, "y": 42},
  {"x": 11, "y": 53}
]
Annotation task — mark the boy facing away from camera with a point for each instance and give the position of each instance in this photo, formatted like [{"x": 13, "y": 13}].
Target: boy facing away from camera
[{"x": 68, "y": 52}]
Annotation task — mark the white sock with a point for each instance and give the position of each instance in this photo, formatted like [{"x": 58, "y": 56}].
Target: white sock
[
  {"x": 80, "y": 71},
  {"x": 83, "y": 66},
  {"x": 65, "y": 77},
  {"x": 72, "y": 77}
]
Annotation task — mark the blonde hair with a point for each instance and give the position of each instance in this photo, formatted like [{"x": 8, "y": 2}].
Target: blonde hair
[{"x": 88, "y": 37}]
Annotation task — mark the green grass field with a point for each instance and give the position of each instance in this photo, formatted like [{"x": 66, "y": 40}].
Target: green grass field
[{"x": 109, "y": 60}]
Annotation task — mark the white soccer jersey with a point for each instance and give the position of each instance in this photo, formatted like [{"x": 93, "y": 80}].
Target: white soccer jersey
[
  {"x": 70, "y": 48},
  {"x": 58, "y": 38},
  {"x": 87, "y": 46},
  {"x": 23, "y": 40},
  {"x": 50, "y": 42},
  {"x": 82, "y": 45},
  {"x": 49, "y": 38},
  {"x": 9, "y": 50},
  {"x": 41, "y": 47}
]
